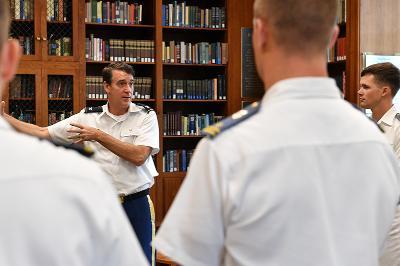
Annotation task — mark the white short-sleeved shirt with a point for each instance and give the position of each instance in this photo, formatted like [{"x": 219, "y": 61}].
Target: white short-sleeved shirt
[
  {"x": 307, "y": 181},
  {"x": 139, "y": 127},
  {"x": 391, "y": 127},
  {"x": 49, "y": 208}
]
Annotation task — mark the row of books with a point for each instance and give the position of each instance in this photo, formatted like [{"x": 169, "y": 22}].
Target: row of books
[
  {"x": 341, "y": 11},
  {"x": 181, "y": 15},
  {"x": 60, "y": 47},
  {"x": 98, "y": 49},
  {"x": 60, "y": 88},
  {"x": 22, "y": 86},
  {"x": 176, "y": 124},
  {"x": 21, "y": 9},
  {"x": 59, "y": 10},
  {"x": 57, "y": 116},
  {"x": 338, "y": 51},
  {"x": 120, "y": 12},
  {"x": 26, "y": 43},
  {"x": 196, "y": 53},
  {"x": 177, "y": 160},
  {"x": 206, "y": 89},
  {"x": 142, "y": 88},
  {"x": 24, "y": 115}
]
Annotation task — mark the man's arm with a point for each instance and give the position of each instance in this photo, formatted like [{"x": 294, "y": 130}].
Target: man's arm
[
  {"x": 30, "y": 129},
  {"x": 136, "y": 154}
]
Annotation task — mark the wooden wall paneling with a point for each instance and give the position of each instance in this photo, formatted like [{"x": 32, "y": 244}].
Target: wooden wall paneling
[
  {"x": 240, "y": 14},
  {"x": 171, "y": 186},
  {"x": 353, "y": 50},
  {"x": 380, "y": 31}
]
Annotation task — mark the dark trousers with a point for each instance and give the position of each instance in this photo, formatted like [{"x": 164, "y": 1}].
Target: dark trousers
[{"x": 139, "y": 214}]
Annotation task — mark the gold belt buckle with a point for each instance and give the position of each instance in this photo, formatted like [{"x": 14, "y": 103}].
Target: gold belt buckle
[{"x": 121, "y": 198}]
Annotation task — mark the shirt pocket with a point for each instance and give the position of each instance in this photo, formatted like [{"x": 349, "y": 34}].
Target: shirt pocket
[{"x": 129, "y": 135}]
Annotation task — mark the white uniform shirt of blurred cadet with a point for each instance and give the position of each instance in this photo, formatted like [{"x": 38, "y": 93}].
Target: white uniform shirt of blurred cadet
[
  {"x": 138, "y": 127},
  {"x": 390, "y": 124},
  {"x": 49, "y": 208},
  {"x": 307, "y": 181}
]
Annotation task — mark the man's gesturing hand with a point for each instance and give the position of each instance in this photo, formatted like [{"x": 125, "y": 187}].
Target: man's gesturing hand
[{"x": 84, "y": 133}]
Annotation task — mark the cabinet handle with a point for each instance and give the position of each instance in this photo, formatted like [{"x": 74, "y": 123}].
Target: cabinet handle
[
  {"x": 38, "y": 38},
  {"x": 44, "y": 39}
]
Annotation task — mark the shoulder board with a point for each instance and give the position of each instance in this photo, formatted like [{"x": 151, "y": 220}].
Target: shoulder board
[
  {"x": 145, "y": 107},
  {"x": 236, "y": 118},
  {"x": 83, "y": 150},
  {"x": 398, "y": 116},
  {"x": 97, "y": 109}
]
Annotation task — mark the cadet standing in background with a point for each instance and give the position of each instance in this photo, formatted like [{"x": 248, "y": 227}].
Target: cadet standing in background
[{"x": 379, "y": 84}]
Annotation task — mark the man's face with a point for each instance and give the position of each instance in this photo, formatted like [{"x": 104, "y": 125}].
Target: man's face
[
  {"x": 120, "y": 90},
  {"x": 370, "y": 92}
]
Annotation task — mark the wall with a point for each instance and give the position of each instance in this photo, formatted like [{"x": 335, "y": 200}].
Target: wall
[{"x": 379, "y": 27}]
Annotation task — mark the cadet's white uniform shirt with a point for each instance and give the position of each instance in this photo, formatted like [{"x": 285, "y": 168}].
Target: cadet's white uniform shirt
[
  {"x": 49, "y": 208},
  {"x": 307, "y": 181},
  {"x": 391, "y": 127},
  {"x": 137, "y": 127}
]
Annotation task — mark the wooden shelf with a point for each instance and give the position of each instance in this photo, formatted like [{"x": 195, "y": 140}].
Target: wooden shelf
[
  {"x": 183, "y": 136},
  {"x": 133, "y": 100},
  {"x": 119, "y": 25},
  {"x": 193, "y": 28},
  {"x": 335, "y": 63},
  {"x": 173, "y": 174},
  {"x": 23, "y": 20},
  {"x": 108, "y": 62},
  {"x": 22, "y": 99},
  {"x": 193, "y": 101},
  {"x": 194, "y": 65},
  {"x": 60, "y": 22},
  {"x": 60, "y": 99}
]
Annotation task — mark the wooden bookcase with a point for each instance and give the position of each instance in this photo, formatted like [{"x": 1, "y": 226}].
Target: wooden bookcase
[
  {"x": 40, "y": 67},
  {"x": 47, "y": 83}
]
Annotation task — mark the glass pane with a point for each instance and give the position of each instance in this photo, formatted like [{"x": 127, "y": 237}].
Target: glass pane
[
  {"x": 22, "y": 98},
  {"x": 22, "y": 24},
  {"x": 59, "y": 27},
  {"x": 60, "y": 96}
]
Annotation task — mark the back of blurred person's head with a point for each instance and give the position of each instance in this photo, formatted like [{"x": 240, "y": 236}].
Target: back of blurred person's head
[
  {"x": 10, "y": 50},
  {"x": 299, "y": 26}
]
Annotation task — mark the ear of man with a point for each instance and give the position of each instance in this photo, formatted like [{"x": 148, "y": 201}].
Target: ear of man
[
  {"x": 9, "y": 58},
  {"x": 334, "y": 36},
  {"x": 260, "y": 34}
]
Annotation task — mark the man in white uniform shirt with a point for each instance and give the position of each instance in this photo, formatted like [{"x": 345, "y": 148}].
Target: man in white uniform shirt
[
  {"x": 50, "y": 197},
  {"x": 123, "y": 136},
  {"x": 379, "y": 84},
  {"x": 304, "y": 179}
]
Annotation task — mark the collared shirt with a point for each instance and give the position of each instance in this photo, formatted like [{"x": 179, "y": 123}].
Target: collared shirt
[
  {"x": 391, "y": 127},
  {"x": 49, "y": 208},
  {"x": 138, "y": 127},
  {"x": 307, "y": 181}
]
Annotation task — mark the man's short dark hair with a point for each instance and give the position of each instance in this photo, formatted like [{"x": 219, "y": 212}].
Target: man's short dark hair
[
  {"x": 299, "y": 26},
  {"x": 4, "y": 21},
  {"x": 122, "y": 66},
  {"x": 385, "y": 74}
]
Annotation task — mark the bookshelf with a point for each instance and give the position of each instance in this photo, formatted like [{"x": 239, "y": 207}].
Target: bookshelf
[
  {"x": 45, "y": 89},
  {"x": 208, "y": 86}
]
